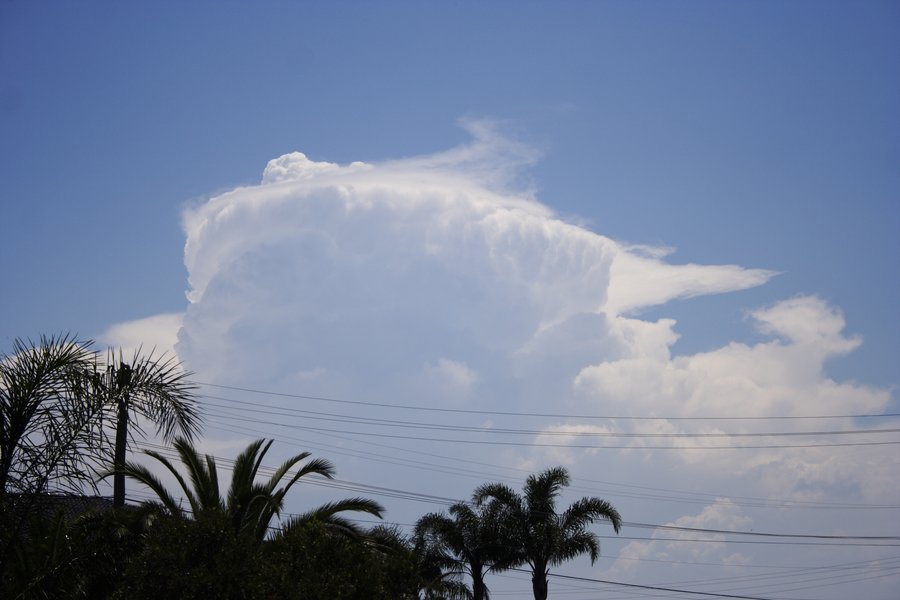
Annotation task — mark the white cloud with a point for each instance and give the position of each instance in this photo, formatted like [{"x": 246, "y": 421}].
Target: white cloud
[
  {"x": 433, "y": 281},
  {"x": 294, "y": 166},
  {"x": 807, "y": 321},
  {"x": 452, "y": 373},
  {"x": 679, "y": 544},
  {"x": 381, "y": 267},
  {"x": 770, "y": 378},
  {"x": 556, "y": 437},
  {"x": 774, "y": 378},
  {"x": 639, "y": 281},
  {"x": 158, "y": 333}
]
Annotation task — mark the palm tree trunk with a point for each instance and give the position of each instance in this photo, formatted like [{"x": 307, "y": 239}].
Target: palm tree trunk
[
  {"x": 539, "y": 584},
  {"x": 121, "y": 382},
  {"x": 119, "y": 459},
  {"x": 478, "y": 587}
]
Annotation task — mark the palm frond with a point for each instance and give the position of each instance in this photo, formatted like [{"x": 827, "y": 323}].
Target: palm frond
[
  {"x": 363, "y": 505},
  {"x": 329, "y": 515},
  {"x": 243, "y": 475},
  {"x": 497, "y": 491},
  {"x": 143, "y": 475},
  {"x": 157, "y": 388},
  {"x": 45, "y": 395},
  {"x": 286, "y": 466},
  {"x": 588, "y": 510},
  {"x": 317, "y": 466},
  {"x": 541, "y": 490},
  {"x": 202, "y": 474},
  {"x": 572, "y": 546},
  {"x": 388, "y": 539}
]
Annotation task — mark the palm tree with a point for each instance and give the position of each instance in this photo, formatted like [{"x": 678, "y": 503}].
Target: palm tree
[
  {"x": 54, "y": 420},
  {"x": 415, "y": 569},
  {"x": 50, "y": 429},
  {"x": 249, "y": 505},
  {"x": 55, "y": 402},
  {"x": 470, "y": 539},
  {"x": 537, "y": 534},
  {"x": 155, "y": 388}
]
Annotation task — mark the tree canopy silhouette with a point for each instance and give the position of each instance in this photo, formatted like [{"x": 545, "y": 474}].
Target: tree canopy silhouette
[
  {"x": 539, "y": 536},
  {"x": 249, "y": 505}
]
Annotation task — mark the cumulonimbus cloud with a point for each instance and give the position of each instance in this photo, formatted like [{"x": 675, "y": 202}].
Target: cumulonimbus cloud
[
  {"x": 380, "y": 268},
  {"x": 428, "y": 278},
  {"x": 441, "y": 279}
]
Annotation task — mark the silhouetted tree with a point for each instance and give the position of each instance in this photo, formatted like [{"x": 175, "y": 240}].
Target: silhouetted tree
[
  {"x": 64, "y": 555},
  {"x": 196, "y": 559},
  {"x": 469, "y": 539},
  {"x": 50, "y": 426},
  {"x": 536, "y": 533},
  {"x": 58, "y": 405},
  {"x": 249, "y": 506},
  {"x": 51, "y": 429},
  {"x": 148, "y": 387}
]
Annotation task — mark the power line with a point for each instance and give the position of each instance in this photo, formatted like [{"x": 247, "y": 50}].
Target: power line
[
  {"x": 545, "y": 415},
  {"x": 699, "y": 498},
  {"x": 693, "y": 497},
  {"x": 538, "y": 445},
  {"x": 656, "y": 587},
  {"x": 797, "y": 582},
  {"x": 333, "y": 417},
  {"x": 745, "y": 501},
  {"x": 791, "y": 574},
  {"x": 771, "y": 543},
  {"x": 787, "y": 572},
  {"x": 823, "y": 576},
  {"x": 447, "y": 501},
  {"x": 648, "y": 587},
  {"x": 763, "y": 534}
]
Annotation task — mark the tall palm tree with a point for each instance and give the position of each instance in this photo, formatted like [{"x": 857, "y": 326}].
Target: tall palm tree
[
  {"x": 536, "y": 533},
  {"x": 469, "y": 537},
  {"x": 149, "y": 387},
  {"x": 249, "y": 505}
]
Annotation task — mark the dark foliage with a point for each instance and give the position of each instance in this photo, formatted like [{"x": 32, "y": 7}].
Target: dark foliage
[
  {"x": 535, "y": 533},
  {"x": 194, "y": 559}
]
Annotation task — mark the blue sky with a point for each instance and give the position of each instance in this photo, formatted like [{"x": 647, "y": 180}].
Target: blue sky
[{"x": 759, "y": 134}]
